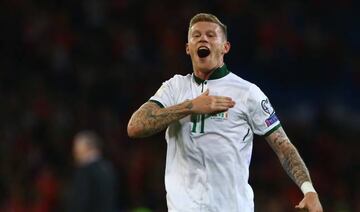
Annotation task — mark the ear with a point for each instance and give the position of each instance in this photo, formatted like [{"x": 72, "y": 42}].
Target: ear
[
  {"x": 187, "y": 49},
  {"x": 227, "y": 47}
]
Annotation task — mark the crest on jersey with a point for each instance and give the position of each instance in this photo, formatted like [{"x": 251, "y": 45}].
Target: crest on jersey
[
  {"x": 220, "y": 116},
  {"x": 266, "y": 106}
]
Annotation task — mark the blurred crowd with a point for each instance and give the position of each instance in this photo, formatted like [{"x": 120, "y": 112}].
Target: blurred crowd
[{"x": 69, "y": 65}]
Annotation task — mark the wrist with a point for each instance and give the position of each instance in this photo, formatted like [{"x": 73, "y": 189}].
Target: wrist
[
  {"x": 307, "y": 187},
  {"x": 189, "y": 106}
]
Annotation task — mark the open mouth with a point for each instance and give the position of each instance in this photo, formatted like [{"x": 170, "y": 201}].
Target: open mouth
[{"x": 203, "y": 51}]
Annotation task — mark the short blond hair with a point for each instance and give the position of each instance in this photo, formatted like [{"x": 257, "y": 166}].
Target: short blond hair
[{"x": 207, "y": 17}]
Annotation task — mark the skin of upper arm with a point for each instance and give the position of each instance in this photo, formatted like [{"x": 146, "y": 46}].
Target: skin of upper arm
[
  {"x": 136, "y": 121},
  {"x": 150, "y": 118},
  {"x": 279, "y": 142}
]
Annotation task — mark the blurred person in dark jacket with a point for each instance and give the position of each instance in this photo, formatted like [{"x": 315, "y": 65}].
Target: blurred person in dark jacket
[{"x": 94, "y": 187}]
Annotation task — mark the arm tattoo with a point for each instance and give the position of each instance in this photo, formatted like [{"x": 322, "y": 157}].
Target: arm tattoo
[
  {"x": 150, "y": 118},
  {"x": 289, "y": 157}
]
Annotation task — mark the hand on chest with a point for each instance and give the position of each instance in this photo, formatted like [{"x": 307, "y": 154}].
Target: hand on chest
[{"x": 218, "y": 121}]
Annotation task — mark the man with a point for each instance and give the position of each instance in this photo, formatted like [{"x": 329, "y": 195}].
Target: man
[
  {"x": 94, "y": 183},
  {"x": 211, "y": 116}
]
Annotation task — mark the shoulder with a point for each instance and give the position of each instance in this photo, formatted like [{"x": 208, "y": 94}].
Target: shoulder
[
  {"x": 249, "y": 91},
  {"x": 240, "y": 83},
  {"x": 178, "y": 78},
  {"x": 178, "y": 81}
]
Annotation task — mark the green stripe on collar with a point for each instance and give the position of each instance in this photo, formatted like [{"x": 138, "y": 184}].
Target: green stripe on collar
[{"x": 217, "y": 74}]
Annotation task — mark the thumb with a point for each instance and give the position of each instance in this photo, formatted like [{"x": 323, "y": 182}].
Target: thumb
[
  {"x": 206, "y": 93},
  {"x": 301, "y": 205}
]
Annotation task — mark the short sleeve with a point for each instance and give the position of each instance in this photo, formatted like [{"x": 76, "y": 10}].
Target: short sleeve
[
  {"x": 261, "y": 115},
  {"x": 164, "y": 96}
]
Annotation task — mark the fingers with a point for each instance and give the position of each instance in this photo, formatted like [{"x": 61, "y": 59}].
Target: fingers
[
  {"x": 218, "y": 98},
  {"x": 226, "y": 100},
  {"x": 221, "y": 101},
  {"x": 301, "y": 206},
  {"x": 206, "y": 103},
  {"x": 310, "y": 203},
  {"x": 224, "y": 105}
]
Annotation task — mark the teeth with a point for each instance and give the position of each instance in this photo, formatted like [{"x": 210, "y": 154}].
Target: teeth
[{"x": 203, "y": 48}]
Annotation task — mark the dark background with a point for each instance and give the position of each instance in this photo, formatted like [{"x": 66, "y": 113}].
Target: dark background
[{"x": 72, "y": 65}]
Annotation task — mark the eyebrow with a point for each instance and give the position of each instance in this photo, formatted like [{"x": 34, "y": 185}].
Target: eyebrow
[{"x": 207, "y": 31}]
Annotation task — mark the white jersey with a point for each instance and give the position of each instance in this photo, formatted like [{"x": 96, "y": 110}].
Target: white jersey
[{"x": 208, "y": 156}]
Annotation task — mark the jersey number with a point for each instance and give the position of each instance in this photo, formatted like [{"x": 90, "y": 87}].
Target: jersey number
[{"x": 198, "y": 122}]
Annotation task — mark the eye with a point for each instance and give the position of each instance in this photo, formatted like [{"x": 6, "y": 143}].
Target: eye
[{"x": 211, "y": 34}]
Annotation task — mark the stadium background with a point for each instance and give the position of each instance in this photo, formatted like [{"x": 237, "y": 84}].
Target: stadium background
[{"x": 70, "y": 65}]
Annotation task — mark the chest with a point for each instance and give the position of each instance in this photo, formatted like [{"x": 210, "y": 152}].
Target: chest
[{"x": 231, "y": 121}]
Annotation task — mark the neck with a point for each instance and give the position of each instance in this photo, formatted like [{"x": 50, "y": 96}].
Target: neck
[{"x": 205, "y": 74}]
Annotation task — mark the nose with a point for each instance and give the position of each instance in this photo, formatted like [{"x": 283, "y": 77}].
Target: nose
[{"x": 203, "y": 38}]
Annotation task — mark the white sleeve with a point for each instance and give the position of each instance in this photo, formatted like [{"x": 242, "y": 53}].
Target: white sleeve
[
  {"x": 164, "y": 96},
  {"x": 261, "y": 115}
]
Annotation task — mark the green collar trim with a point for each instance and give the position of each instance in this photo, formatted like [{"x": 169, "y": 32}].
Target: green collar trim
[{"x": 217, "y": 74}]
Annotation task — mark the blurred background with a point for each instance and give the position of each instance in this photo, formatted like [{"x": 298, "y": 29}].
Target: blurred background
[{"x": 69, "y": 65}]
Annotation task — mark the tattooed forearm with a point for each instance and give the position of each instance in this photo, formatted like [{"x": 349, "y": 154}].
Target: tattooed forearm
[
  {"x": 289, "y": 156},
  {"x": 150, "y": 118}
]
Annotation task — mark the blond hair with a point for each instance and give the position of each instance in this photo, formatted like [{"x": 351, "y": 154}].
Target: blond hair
[{"x": 207, "y": 17}]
